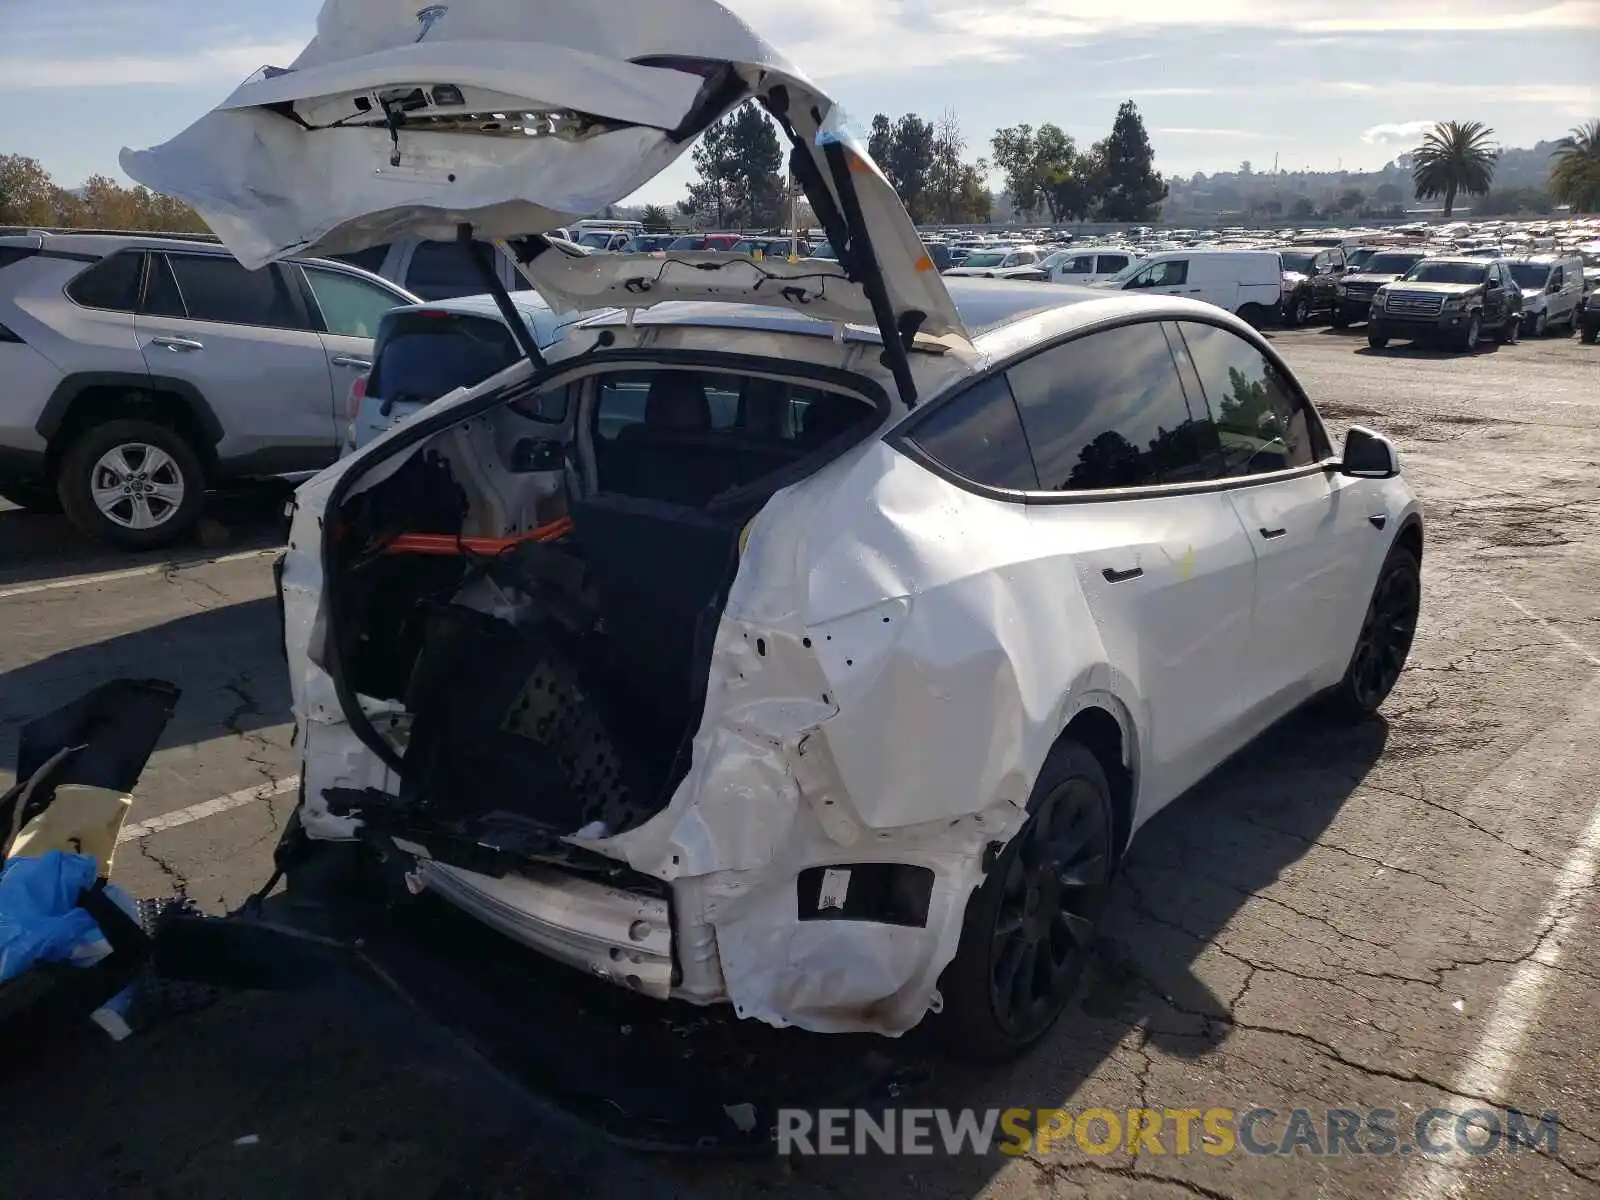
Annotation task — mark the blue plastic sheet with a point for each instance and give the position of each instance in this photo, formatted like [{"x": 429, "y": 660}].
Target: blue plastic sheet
[{"x": 40, "y": 920}]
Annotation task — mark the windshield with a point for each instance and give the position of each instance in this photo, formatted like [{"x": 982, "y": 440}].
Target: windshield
[
  {"x": 824, "y": 251},
  {"x": 1530, "y": 275},
  {"x": 688, "y": 243},
  {"x": 984, "y": 258},
  {"x": 595, "y": 241},
  {"x": 1358, "y": 258},
  {"x": 1295, "y": 261},
  {"x": 1052, "y": 261},
  {"x": 1391, "y": 264},
  {"x": 1447, "y": 272}
]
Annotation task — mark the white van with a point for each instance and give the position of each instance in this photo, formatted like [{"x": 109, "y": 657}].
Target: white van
[
  {"x": 1248, "y": 283},
  {"x": 1552, "y": 291},
  {"x": 1087, "y": 264}
]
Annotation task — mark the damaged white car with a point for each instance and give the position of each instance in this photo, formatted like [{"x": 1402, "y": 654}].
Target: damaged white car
[{"x": 807, "y": 637}]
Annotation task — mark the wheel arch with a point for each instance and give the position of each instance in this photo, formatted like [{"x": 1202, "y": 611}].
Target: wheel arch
[
  {"x": 1102, "y": 724},
  {"x": 1410, "y": 536},
  {"x": 89, "y": 398}
]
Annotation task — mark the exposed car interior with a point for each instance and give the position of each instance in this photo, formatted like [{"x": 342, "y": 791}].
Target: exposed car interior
[{"x": 565, "y": 583}]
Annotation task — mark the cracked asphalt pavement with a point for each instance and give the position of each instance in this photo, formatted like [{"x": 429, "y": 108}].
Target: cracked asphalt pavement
[{"x": 1401, "y": 915}]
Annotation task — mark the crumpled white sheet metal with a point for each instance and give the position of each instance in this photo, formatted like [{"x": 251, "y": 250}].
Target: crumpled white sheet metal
[
  {"x": 271, "y": 186},
  {"x": 910, "y": 729}
]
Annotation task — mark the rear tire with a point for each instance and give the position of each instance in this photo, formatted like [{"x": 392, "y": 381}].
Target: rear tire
[
  {"x": 1588, "y": 336},
  {"x": 1384, "y": 643},
  {"x": 133, "y": 484},
  {"x": 1030, "y": 925},
  {"x": 32, "y": 497},
  {"x": 1253, "y": 315},
  {"x": 1299, "y": 313}
]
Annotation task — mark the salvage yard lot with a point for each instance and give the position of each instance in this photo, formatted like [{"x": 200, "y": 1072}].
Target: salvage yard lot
[{"x": 1399, "y": 915}]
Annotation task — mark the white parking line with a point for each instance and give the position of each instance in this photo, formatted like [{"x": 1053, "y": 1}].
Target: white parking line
[
  {"x": 160, "y": 568},
  {"x": 207, "y": 808},
  {"x": 1491, "y": 1064}
]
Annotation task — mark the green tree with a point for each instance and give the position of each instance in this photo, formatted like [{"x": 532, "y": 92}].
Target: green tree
[
  {"x": 1455, "y": 157},
  {"x": 1013, "y": 155},
  {"x": 1353, "y": 201},
  {"x": 1043, "y": 169},
  {"x": 880, "y": 141},
  {"x": 1133, "y": 189},
  {"x": 912, "y": 149},
  {"x": 974, "y": 202},
  {"x": 1575, "y": 177},
  {"x": 737, "y": 159},
  {"x": 656, "y": 219},
  {"x": 26, "y": 192},
  {"x": 1302, "y": 210}
]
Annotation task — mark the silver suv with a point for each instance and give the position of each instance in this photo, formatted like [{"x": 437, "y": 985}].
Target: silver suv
[{"x": 140, "y": 371}]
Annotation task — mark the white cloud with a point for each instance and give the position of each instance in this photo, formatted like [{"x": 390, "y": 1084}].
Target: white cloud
[
  {"x": 1402, "y": 133},
  {"x": 223, "y": 64},
  {"x": 1183, "y": 131}
]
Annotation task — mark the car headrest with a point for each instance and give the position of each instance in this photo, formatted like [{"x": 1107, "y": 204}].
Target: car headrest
[{"x": 677, "y": 403}]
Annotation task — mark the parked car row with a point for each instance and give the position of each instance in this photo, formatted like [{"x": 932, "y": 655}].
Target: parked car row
[{"x": 145, "y": 370}]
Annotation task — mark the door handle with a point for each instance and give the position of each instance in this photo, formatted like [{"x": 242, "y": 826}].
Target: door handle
[
  {"x": 1269, "y": 534},
  {"x": 349, "y": 360},
  {"x": 1194, "y": 291},
  {"x": 1113, "y": 576},
  {"x": 177, "y": 344}
]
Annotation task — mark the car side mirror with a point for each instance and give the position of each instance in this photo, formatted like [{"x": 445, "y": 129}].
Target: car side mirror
[
  {"x": 1368, "y": 455},
  {"x": 1555, "y": 287}
]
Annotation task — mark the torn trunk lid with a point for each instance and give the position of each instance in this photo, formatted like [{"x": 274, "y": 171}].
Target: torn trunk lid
[{"x": 520, "y": 117}]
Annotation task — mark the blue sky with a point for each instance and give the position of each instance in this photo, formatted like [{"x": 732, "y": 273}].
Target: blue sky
[{"x": 1319, "y": 83}]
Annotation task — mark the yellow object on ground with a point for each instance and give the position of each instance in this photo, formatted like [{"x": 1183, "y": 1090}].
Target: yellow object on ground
[{"x": 80, "y": 820}]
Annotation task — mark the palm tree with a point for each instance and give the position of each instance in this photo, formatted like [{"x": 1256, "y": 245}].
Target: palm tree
[
  {"x": 1575, "y": 178},
  {"x": 1455, "y": 157},
  {"x": 656, "y": 219}
]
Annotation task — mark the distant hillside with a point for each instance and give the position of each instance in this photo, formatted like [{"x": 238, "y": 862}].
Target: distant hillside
[{"x": 1520, "y": 179}]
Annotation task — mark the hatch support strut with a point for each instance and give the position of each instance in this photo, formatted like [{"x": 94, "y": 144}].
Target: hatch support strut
[
  {"x": 855, "y": 253},
  {"x": 483, "y": 257}
]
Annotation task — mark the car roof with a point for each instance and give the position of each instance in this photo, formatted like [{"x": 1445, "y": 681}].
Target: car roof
[
  {"x": 1003, "y": 315},
  {"x": 99, "y": 245}
]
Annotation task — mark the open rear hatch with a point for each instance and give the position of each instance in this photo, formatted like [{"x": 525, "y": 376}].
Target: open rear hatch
[{"x": 518, "y": 118}]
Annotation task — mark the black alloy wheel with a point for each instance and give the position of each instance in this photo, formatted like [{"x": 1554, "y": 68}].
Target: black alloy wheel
[
  {"x": 1386, "y": 635},
  {"x": 1031, "y": 925}
]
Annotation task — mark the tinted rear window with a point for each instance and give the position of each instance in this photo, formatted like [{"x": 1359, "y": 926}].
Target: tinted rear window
[
  {"x": 112, "y": 283},
  {"x": 421, "y": 357},
  {"x": 11, "y": 254}
]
